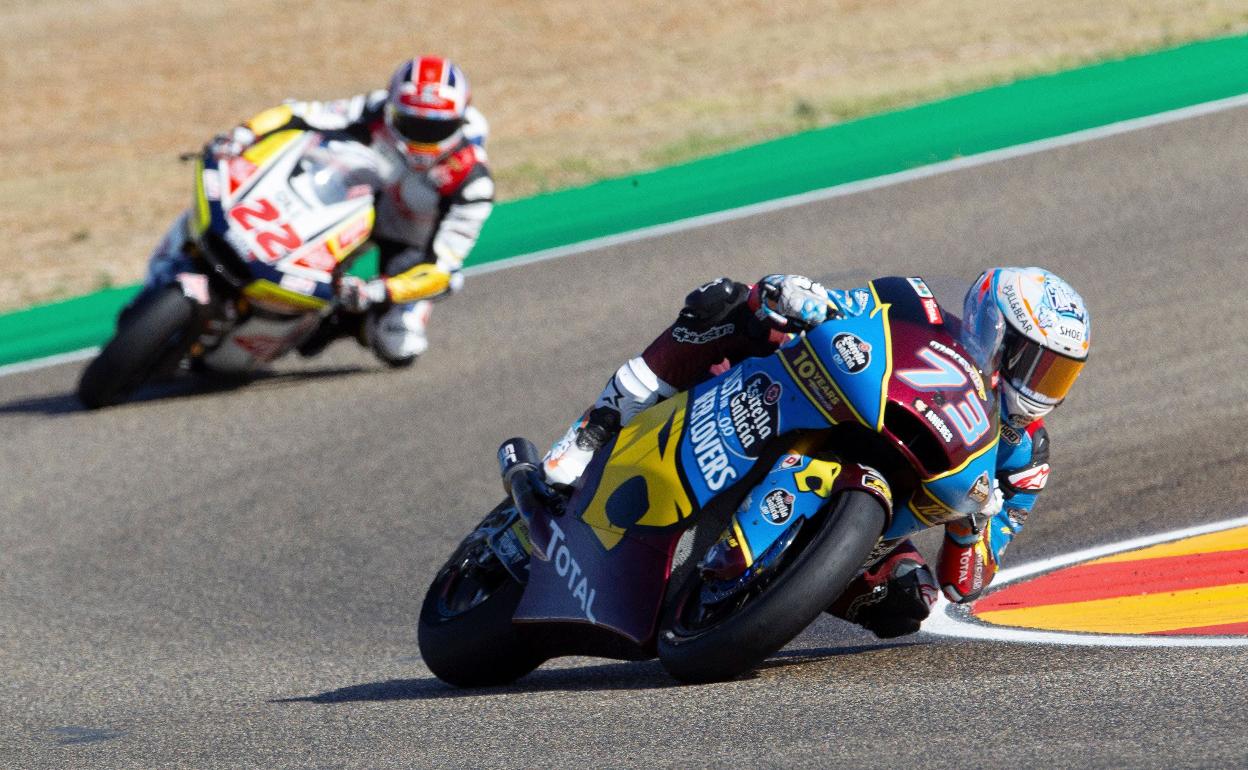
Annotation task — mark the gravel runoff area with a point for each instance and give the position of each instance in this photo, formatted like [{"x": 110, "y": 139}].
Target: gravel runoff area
[{"x": 101, "y": 96}]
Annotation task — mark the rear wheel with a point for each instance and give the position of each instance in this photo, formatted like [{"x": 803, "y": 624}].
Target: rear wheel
[
  {"x": 466, "y": 636},
  {"x": 707, "y": 640},
  {"x": 155, "y": 335}
]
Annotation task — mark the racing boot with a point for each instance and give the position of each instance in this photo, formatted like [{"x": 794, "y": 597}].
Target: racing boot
[
  {"x": 892, "y": 597},
  {"x": 632, "y": 388},
  {"x": 568, "y": 458},
  {"x": 397, "y": 334}
]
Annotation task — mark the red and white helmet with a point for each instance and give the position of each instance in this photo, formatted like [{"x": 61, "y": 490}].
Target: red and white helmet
[
  {"x": 425, "y": 109},
  {"x": 1042, "y": 332}
]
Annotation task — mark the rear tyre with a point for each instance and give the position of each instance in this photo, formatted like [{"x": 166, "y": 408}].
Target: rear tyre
[
  {"x": 465, "y": 634},
  {"x": 698, "y": 643},
  {"x": 155, "y": 334}
]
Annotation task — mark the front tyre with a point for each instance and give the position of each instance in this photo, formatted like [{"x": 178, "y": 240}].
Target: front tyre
[
  {"x": 155, "y": 334},
  {"x": 698, "y": 643},
  {"x": 465, "y": 634}
]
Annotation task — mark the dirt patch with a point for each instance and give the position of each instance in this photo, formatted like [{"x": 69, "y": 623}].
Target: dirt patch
[{"x": 101, "y": 96}]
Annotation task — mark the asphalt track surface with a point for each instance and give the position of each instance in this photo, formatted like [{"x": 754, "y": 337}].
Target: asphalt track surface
[{"x": 216, "y": 577}]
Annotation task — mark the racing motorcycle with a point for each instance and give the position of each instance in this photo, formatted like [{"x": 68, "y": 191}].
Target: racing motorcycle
[
  {"x": 721, "y": 522},
  {"x": 269, "y": 232}
]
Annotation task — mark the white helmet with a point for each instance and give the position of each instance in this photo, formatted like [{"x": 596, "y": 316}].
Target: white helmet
[
  {"x": 425, "y": 109},
  {"x": 1044, "y": 332}
]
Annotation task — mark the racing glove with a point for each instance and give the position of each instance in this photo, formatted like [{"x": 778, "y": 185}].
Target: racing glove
[
  {"x": 355, "y": 295},
  {"x": 967, "y": 560},
  {"x": 790, "y": 302},
  {"x": 233, "y": 143}
]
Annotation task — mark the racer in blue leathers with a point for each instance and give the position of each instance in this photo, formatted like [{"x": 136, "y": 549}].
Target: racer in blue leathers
[{"x": 1029, "y": 325}]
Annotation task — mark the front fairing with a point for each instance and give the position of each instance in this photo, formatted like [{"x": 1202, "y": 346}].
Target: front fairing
[{"x": 283, "y": 217}]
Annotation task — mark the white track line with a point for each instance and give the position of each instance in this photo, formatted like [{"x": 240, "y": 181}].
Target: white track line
[
  {"x": 793, "y": 201},
  {"x": 954, "y": 620},
  {"x": 43, "y": 363}
]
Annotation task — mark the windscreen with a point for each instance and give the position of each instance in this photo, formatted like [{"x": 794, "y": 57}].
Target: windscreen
[
  {"x": 320, "y": 178},
  {"x": 983, "y": 328}
]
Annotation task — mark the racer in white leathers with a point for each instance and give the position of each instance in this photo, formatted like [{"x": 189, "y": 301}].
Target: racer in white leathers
[
  {"x": 1029, "y": 323},
  {"x": 421, "y": 148}
]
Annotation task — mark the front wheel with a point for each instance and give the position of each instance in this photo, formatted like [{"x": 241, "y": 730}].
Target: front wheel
[
  {"x": 466, "y": 636},
  {"x": 706, "y": 643},
  {"x": 156, "y": 334}
]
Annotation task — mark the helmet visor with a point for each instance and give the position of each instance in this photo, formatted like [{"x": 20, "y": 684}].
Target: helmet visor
[
  {"x": 1039, "y": 373},
  {"x": 423, "y": 130}
]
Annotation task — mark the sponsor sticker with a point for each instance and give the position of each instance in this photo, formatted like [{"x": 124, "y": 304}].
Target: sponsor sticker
[
  {"x": 873, "y": 480},
  {"x": 708, "y": 446},
  {"x": 1011, "y": 436},
  {"x": 1017, "y": 309},
  {"x": 920, "y": 288},
  {"x": 1072, "y": 333},
  {"x": 932, "y": 310},
  {"x": 850, "y": 353},
  {"x": 810, "y": 375},
  {"x": 752, "y": 413},
  {"x": 935, "y": 420},
  {"x": 351, "y": 235},
  {"x": 791, "y": 461},
  {"x": 566, "y": 565},
  {"x": 777, "y": 506},
  {"x": 298, "y": 284},
  {"x": 981, "y": 489}
]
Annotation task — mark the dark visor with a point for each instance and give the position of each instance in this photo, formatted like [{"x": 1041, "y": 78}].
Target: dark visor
[{"x": 423, "y": 130}]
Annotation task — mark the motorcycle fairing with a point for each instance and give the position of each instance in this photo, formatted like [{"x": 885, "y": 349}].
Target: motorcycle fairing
[
  {"x": 797, "y": 487},
  {"x": 574, "y": 580},
  {"x": 641, "y": 484},
  {"x": 264, "y": 207}
]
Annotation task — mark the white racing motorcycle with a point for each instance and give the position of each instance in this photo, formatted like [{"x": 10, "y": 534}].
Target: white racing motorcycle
[{"x": 270, "y": 232}]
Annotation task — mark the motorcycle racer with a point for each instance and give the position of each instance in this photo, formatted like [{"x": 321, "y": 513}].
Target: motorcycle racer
[
  {"x": 419, "y": 144},
  {"x": 1031, "y": 326}
]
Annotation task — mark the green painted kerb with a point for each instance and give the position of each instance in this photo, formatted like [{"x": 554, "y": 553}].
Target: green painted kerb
[{"x": 1024, "y": 111}]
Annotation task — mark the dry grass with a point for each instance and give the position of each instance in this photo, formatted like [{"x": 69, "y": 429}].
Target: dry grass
[{"x": 100, "y": 95}]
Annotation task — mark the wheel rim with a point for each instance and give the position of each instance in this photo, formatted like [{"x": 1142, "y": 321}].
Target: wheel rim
[{"x": 693, "y": 616}]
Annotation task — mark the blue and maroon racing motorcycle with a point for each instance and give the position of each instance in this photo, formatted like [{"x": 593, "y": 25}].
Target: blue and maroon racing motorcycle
[{"x": 721, "y": 522}]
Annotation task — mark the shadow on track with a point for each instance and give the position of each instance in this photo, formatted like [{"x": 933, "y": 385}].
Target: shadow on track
[
  {"x": 182, "y": 386},
  {"x": 648, "y": 675}
]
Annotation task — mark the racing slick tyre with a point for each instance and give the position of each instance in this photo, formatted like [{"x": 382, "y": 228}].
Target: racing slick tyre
[
  {"x": 155, "y": 334},
  {"x": 465, "y": 634},
  {"x": 700, "y": 642}
]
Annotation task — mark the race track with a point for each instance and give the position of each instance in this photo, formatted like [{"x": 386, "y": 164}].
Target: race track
[{"x": 231, "y": 578}]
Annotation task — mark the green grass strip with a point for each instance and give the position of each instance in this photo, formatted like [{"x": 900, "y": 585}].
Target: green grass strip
[{"x": 1025, "y": 111}]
